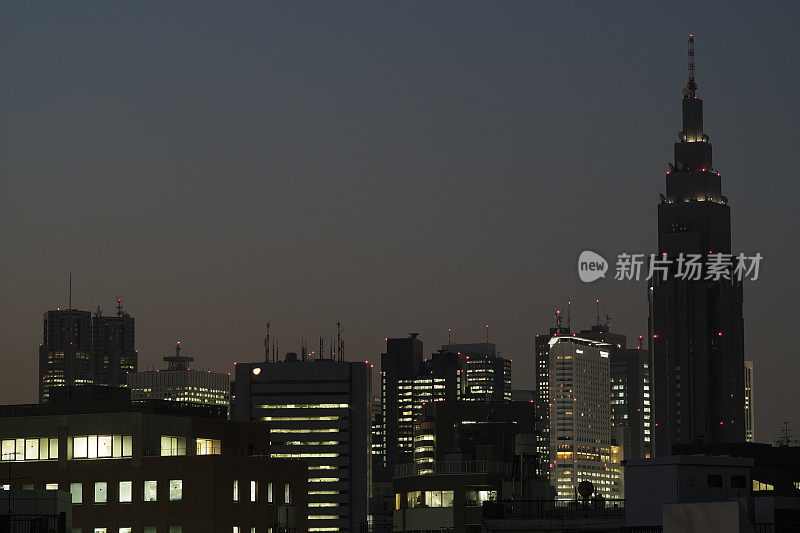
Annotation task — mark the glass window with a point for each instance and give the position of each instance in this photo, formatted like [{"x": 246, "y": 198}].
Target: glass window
[
  {"x": 31, "y": 449},
  {"x": 714, "y": 480},
  {"x": 150, "y": 529},
  {"x": 127, "y": 445},
  {"x": 5, "y": 486},
  {"x": 235, "y": 529},
  {"x": 100, "y": 492},
  {"x": 76, "y": 490},
  {"x": 100, "y": 530},
  {"x": 172, "y": 445},
  {"x": 150, "y": 491},
  {"x": 398, "y": 500},
  {"x": 414, "y": 499},
  {"x": 269, "y": 492},
  {"x": 125, "y": 491},
  {"x": 104, "y": 446},
  {"x": 53, "y": 448},
  {"x": 286, "y": 494},
  {"x": 91, "y": 446},
  {"x": 236, "y": 490},
  {"x": 125, "y": 530},
  {"x": 8, "y": 450},
  {"x": 175, "y": 490},
  {"x": 209, "y": 447},
  {"x": 447, "y": 498},
  {"x": 253, "y": 529},
  {"x": 51, "y": 486},
  {"x": 79, "y": 447},
  {"x": 27, "y": 486},
  {"x": 253, "y": 491},
  {"x": 487, "y": 496},
  {"x": 175, "y": 529}
]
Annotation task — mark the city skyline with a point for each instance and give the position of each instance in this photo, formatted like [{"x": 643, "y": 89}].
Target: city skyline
[{"x": 246, "y": 204}]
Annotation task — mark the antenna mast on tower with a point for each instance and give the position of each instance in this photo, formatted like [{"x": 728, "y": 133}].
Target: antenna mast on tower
[
  {"x": 266, "y": 345},
  {"x": 691, "y": 86}
]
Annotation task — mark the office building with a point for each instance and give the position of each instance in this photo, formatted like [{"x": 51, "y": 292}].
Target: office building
[
  {"x": 487, "y": 376},
  {"x": 114, "y": 351},
  {"x": 156, "y": 467},
  {"x": 179, "y": 383},
  {"x": 580, "y": 417},
  {"x": 697, "y": 326},
  {"x": 543, "y": 399},
  {"x": 749, "y": 404},
  {"x": 318, "y": 411},
  {"x": 65, "y": 355}
]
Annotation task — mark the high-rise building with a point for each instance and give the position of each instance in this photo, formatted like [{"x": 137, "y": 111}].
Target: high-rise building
[
  {"x": 65, "y": 355},
  {"x": 631, "y": 394},
  {"x": 179, "y": 383},
  {"x": 399, "y": 366},
  {"x": 114, "y": 351},
  {"x": 318, "y": 411},
  {"x": 580, "y": 417},
  {"x": 487, "y": 376},
  {"x": 697, "y": 327},
  {"x": 543, "y": 399},
  {"x": 749, "y": 404}
]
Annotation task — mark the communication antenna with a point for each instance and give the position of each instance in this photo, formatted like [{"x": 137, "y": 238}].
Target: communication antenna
[
  {"x": 449, "y": 335},
  {"x": 597, "y": 306},
  {"x": 303, "y": 350},
  {"x": 691, "y": 86},
  {"x": 119, "y": 306},
  {"x": 569, "y": 313},
  {"x": 558, "y": 321},
  {"x": 339, "y": 343},
  {"x": 641, "y": 341},
  {"x": 266, "y": 345},
  {"x": 321, "y": 348},
  {"x": 487, "y": 333},
  {"x": 608, "y": 319},
  {"x": 70, "y": 289}
]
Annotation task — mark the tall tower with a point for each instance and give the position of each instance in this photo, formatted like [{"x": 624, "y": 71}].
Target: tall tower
[
  {"x": 696, "y": 326},
  {"x": 114, "y": 347},
  {"x": 65, "y": 355}
]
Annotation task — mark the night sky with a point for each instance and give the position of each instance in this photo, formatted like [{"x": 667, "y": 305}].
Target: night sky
[{"x": 399, "y": 167}]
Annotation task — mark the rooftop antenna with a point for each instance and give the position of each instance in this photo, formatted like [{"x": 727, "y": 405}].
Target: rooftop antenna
[
  {"x": 70, "y": 289},
  {"x": 608, "y": 318},
  {"x": 303, "y": 351},
  {"x": 321, "y": 348},
  {"x": 449, "y": 335},
  {"x": 691, "y": 86},
  {"x": 266, "y": 345},
  {"x": 119, "y": 306},
  {"x": 339, "y": 339},
  {"x": 98, "y": 312},
  {"x": 569, "y": 314},
  {"x": 487, "y": 333},
  {"x": 558, "y": 321},
  {"x": 333, "y": 349},
  {"x": 178, "y": 362},
  {"x": 641, "y": 341},
  {"x": 597, "y": 306}
]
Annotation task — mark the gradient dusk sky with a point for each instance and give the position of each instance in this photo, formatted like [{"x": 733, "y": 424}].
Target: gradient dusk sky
[{"x": 397, "y": 166}]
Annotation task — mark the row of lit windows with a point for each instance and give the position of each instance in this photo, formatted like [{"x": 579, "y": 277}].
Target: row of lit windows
[
  {"x": 29, "y": 449},
  {"x": 254, "y": 492}
]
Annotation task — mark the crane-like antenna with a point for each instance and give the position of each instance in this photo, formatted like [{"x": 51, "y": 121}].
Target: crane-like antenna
[{"x": 691, "y": 86}]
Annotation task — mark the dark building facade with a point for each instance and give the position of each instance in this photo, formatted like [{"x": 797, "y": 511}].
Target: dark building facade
[
  {"x": 153, "y": 467},
  {"x": 318, "y": 412},
  {"x": 697, "y": 326},
  {"x": 65, "y": 355},
  {"x": 114, "y": 350}
]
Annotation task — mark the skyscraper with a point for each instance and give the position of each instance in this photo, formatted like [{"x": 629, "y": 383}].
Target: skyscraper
[
  {"x": 114, "y": 351},
  {"x": 697, "y": 326},
  {"x": 65, "y": 355},
  {"x": 318, "y": 412},
  {"x": 487, "y": 376},
  {"x": 580, "y": 417},
  {"x": 749, "y": 403}
]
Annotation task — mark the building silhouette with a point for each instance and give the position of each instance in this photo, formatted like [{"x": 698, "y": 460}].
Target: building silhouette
[
  {"x": 749, "y": 403},
  {"x": 114, "y": 352},
  {"x": 65, "y": 355},
  {"x": 697, "y": 327}
]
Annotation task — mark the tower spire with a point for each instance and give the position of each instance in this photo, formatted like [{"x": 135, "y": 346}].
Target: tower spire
[{"x": 691, "y": 86}]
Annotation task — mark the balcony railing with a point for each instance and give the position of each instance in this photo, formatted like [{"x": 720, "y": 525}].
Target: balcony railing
[{"x": 452, "y": 468}]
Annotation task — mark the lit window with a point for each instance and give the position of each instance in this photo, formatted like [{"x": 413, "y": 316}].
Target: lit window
[
  {"x": 236, "y": 490},
  {"x": 209, "y": 447},
  {"x": 125, "y": 491},
  {"x": 150, "y": 491},
  {"x": 100, "y": 492},
  {"x": 175, "y": 490},
  {"x": 172, "y": 446},
  {"x": 286, "y": 494},
  {"x": 253, "y": 491},
  {"x": 51, "y": 486},
  {"x": 100, "y": 530},
  {"x": 269, "y": 492},
  {"x": 235, "y": 529},
  {"x": 125, "y": 530},
  {"x": 150, "y": 529},
  {"x": 175, "y": 529},
  {"x": 76, "y": 490}
]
